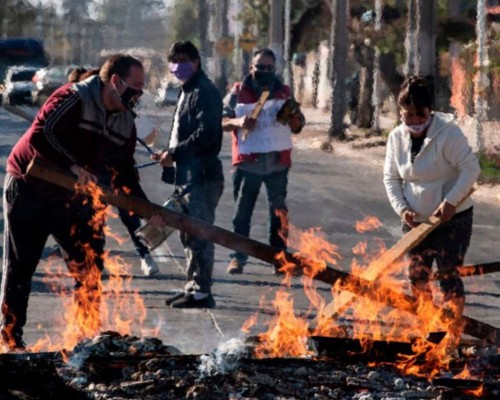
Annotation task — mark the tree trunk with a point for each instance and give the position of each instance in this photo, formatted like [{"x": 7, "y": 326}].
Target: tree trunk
[
  {"x": 362, "y": 93},
  {"x": 287, "y": 68},
  {"x": 410, "y": 39},
  {"x": 276, "y": 33},
  {"x": 203, "y": 18},
  {"x": 425, "y": 63},
  {"x": 219, "y": 29},
  {"x": 338, "y": 73},
  {"x": 481, "y": 84},
  {"x": 376, "y": 101}
]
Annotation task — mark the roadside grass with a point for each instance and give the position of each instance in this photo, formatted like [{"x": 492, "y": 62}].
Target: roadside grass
[{"x": 490, "y": 171}]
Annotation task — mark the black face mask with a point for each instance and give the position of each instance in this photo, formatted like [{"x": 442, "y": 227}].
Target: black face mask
[
  {"x": 130, "y": 97},
  {"x": 264, "y": 78}
]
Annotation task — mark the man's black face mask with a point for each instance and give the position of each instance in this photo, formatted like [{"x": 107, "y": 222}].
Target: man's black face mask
[
  {"x": 130, "y": 97},
  {"x": 264, "y": 78}
]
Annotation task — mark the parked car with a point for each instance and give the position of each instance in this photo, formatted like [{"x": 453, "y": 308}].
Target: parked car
[
  {"x": 46, "y": 81},
  {"x": 167, "y": 94},
  {"x": 18, "y": 85},
  {"x": 23, "y": 51}
]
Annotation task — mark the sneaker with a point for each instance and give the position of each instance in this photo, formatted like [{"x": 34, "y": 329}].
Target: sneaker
[
  {"x": 189, "y": 301},
  {"x": 235, "y": 266},
  {"x": 148, "y": 266}
]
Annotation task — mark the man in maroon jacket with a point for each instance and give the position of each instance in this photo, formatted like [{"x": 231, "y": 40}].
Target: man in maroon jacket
[
  {"x": 88, "y": 129},
  {"x": 262, "y": 150}
]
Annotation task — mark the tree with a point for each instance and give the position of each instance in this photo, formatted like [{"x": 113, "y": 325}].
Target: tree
[
  {"x": 276, "y": 32},
  {"x": 73, "y": 11},
  {"x": 134, "y": 23},
  {"x": 338, "y": 70},
  {"x": 425, "y": 63}
]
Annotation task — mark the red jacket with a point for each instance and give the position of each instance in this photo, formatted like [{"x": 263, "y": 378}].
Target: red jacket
[
  {"x": 245, "y": 94},
  {"x": 73, "y": 127}
]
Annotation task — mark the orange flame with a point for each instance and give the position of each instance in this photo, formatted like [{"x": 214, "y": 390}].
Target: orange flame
[
  {"x": 388, "y": 302},
  {"x": 370, "y": 223},
  {"x": 94, "y": 305}
]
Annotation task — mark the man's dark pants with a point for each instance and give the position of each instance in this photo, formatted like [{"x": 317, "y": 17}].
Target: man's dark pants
[
  {"x": 200, "y": 200},
  {"x": 246, "y": 187},
  {"x": 30, "y": 217}
]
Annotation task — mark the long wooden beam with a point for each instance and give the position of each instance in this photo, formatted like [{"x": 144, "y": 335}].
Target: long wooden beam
[{"x": 372, "y": 290}]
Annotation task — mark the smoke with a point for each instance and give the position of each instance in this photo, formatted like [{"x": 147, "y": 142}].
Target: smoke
[{"x": 224, "y": 359}]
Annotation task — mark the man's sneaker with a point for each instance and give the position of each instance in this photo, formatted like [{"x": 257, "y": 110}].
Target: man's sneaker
[
  {"x": 148, "y": 266},
  {"x": 235, "y": 266},
  {"x": 189, "y": 301}
]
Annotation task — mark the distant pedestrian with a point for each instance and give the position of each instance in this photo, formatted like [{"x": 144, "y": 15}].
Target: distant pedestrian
[{"x": 87, "y": 129}]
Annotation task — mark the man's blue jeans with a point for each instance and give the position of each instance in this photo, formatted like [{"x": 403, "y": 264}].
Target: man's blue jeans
[{"x": 246, "y": 187}]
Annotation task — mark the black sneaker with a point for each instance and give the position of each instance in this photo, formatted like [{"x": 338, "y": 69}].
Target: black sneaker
[{"x": 188, "y": 301}]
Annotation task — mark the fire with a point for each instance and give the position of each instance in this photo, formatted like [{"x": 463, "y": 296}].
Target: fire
[
  {"x": 94, "y": 305},
  {"x": 370, "y": 223},
  {"x": 287, "y": 335},
  {"x": 380, "y": 296}
]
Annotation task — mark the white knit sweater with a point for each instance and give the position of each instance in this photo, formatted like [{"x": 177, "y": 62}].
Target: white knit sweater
[{"x": 444, "y": 169}]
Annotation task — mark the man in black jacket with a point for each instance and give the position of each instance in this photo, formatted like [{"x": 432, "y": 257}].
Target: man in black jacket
[{"x": 193, "y": 148}]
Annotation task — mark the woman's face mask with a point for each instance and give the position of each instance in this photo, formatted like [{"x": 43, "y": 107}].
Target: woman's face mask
[
  {"x": 420, "y": 127},
  {"x": 182, "y": 71}
]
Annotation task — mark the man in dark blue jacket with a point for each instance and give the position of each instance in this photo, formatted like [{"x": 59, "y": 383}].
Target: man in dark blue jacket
[{"x": 193, "y": 148}]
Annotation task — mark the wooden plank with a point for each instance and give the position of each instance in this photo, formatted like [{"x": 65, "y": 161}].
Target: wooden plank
[
  {"x": 383, "y": 264},
  {"x": 257, "y": 109},
  {"x": 372, "y": 290}
]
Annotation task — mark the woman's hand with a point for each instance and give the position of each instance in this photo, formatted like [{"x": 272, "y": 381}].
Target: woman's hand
[
  {"x": 445, "y": 211},
  {"x": 408, "y": 218}
]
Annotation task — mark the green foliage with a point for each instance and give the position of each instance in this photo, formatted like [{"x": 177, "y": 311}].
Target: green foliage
[
  {"x": 256, "y": 14},
  {"x": 490, "y": 170},
  {"x": 183, "y": 18}
]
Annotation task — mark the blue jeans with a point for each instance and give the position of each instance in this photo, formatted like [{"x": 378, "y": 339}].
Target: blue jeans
[{"x": 246, "y": 187}]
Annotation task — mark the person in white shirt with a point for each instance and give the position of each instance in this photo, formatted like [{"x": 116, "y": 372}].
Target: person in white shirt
[{"x": 429, "y": 169}]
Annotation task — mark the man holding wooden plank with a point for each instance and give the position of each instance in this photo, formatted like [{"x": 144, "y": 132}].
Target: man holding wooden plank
[
  {"x": 262, "y": 116},
  {"x": 86, "y": 129},
  {"x": 429, "y": 172}
]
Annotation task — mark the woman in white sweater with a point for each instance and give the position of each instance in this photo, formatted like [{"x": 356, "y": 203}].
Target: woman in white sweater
[{"x": 429, "y": 168}]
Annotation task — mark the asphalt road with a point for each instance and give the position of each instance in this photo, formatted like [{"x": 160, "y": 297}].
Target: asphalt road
[{"x": 330, "y": 192}]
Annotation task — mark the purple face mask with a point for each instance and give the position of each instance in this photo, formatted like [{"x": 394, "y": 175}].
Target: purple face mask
[{"x": 182, "y": 71}]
